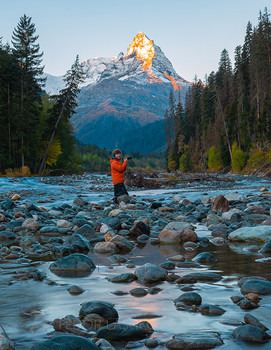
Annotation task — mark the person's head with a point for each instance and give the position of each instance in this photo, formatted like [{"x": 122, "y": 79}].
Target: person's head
[{"x": 116, "y": 153}]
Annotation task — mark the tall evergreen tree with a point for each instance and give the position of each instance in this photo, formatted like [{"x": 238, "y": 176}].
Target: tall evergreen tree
[{"x": 26, "y": 52}]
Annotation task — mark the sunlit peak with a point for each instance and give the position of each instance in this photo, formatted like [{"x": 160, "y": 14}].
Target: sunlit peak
[{"x": 144, "y": 49}]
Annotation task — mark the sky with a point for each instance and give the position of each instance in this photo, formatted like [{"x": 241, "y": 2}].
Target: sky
[{"x": 191, "y": 33}]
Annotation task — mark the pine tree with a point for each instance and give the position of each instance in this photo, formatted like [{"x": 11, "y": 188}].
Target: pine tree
[
  {"x": 65, "y": 104},
  {"x": 26, "y": 53}
]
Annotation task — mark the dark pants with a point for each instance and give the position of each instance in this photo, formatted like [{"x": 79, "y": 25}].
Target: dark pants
[{"x": 120, "y": 190}]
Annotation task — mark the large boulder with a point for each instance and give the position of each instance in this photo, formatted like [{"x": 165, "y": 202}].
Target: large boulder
[
  {"x": 235, "y": 197},
  {"x": 120, "y": 331},
  {"x": 256, "y": 286},
  {"x": 195, "y": 340},
  {"x": 102, "y": 308},
  {"x": 66, "y": 342},
  {"x": 251, "y": 334},
  {"x": 73, "y": 263},
  {"x": 150, "y": 273},
  {"x": 177, "y": 232},
  {"x": 254, "y": 233}
]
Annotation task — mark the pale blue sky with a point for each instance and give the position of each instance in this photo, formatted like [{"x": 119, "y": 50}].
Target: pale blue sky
[{"x": 191, "y": 33}]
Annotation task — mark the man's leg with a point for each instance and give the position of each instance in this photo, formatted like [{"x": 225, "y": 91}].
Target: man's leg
[{"x": 120, "y": 190}]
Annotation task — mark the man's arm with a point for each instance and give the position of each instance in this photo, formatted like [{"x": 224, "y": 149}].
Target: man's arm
[{"x": 120, "y": 167}]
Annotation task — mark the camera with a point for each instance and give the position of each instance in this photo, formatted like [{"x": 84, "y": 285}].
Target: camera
[{"x": 122, "y": 158}]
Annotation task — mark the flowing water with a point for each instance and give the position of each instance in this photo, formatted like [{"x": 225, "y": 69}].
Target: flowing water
[{"x": 27, "y": 307}]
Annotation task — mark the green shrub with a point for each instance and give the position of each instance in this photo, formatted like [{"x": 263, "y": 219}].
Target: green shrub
[
  {"x": 238, "y": 158},
  {"x": 214, "y": 160}
]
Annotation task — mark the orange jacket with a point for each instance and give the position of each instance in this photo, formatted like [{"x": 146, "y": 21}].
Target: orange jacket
[{"x": 117, "y": 170}]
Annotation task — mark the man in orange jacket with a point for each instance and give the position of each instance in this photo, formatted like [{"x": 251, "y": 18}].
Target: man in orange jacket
[{"x": 117, "y": 172}]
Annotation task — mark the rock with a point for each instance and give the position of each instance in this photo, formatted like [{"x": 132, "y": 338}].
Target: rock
[
  {"x": 16, "y": 197},
  {"x": 236, "y": 298},
  {"x": 220, "y": 204},
  {"x": 115, "y": 212},
  {"x": 146, "y": 316},
  {"x": 205, "y": 276},
  {"x": 105, "y": 248},
  {"x": 266, "y": 249},
  {"x": 7, "y": 237},
  {"x": 152, "y": 343},
  {"x": 189, "y": 298},
  {"x": 244, "y": 279},
  {"x": 2, "y": 217},
  {"x": 211, "y": 310},
  {"x": 251, "y": 334},
  {"x": 179, "y": 225},
  {"x": 139, "y": 229},
  {"x": 31, "y": 224},
  {"x": 172, "y": 236},
  {"x": 7, "y": 204},
  {"x": 250, "y": 319},
  {"x": 228, "y": 215},
  {"x": 122, "y": 244},
  {"x": 138, "y": 292},
  {"x": 121, "y": 331},
  {"x": 255, "y": 298},
  {"x": 168, "y": 265},
  {"x": 75, "y": 290},
  {"x": 254, "y": 233},
  {"x": 195, "y": 340},
  {"x": 256, "y": 286},
  {"x": 205, "y": 258},
  {"x": 235, "y": 197},
  {"x": 177, "y": 258},
  {"x": 255, "y": 209},
  {"x": 74, "y": 263},
  {"x": 102, "y": 308},
  {"x": 186, "y": 279},
  {"x": 86, "y": 231},
  {"x": 77, "y": 243},
  {"x": 63, "y": 223},
  {"x": 247, "y": 304},
  {"x": 124, "y": 198},
  {"x": 94, "y": 322},
  {"x": 120, "y": 259},
  {"x": 123, "y": 278},
  {"x": 79, "y": 202},
  {"x": 112, "y": 221},
  {"x": 104, "y": 345},
  {"x": 149, "y": 273},
  {"x": 66, "y": 342}
]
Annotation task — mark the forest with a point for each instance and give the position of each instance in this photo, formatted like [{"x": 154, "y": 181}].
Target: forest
[{"x": 225, "y": 124}]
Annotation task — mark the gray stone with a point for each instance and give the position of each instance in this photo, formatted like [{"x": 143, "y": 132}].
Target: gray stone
[
  {"x": 66, "y": 342},
  {"x": 79, "y": 202},
  {"x": 77, "y": 243},
  {"x": 123, "y": 278},
  {"x": 73, "y": 262},
  {"x": 195, "y": 340},
  {"x": 235, "y": 197},
  {"x": 205, "y": 258},
  {"x": 86, "y": 231},
  {"x": 121, "y": 331},
  {"x": 251, "y": 334},
  {"x": 256, "y": 286},
  {"x": 247, "y": 234},
  {"x": 189, "y": 298},
  {"x": 205, "y": 276},
  {"x": 211, "y": 310},
  {"x": 102, "y": 308},
  {"x": 250, "y": 319},
  {"x": 149, "y": 273}
]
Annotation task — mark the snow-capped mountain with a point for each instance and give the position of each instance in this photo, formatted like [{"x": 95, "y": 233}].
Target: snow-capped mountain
[{"x": 124, "y": 94}]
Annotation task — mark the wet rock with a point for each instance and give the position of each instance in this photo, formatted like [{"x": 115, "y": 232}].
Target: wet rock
[
  {"x": 112, "y": 222},
  {"x": 205, "y": 276},
  {"x": 123, "y": 278},
  {"x": 75, "y": 290},
  {"x": 257, "y": 218},
  {"x": 247, "y": 304},
  {"x": 124, "y": 198},
  {"x": 53, "y": 231},
  {"x": 122, "y": 244},
  {"x": 220, "y": 204},
  {"x": 152, "y": 343},
  {"x": 79, "y": 202},
  {"x": 168, "y": 265},
  {"x": 2, "y": 217},
  {"x": 115, "y": 212},
  {"x": 31, "y": 224},
  {"x": 187, "y": 264},
  {"x": 139, "y": 229},
  {"x": 195, "y": 340},
  {"x": 205, "y": 258},
  {"x": 154, "y": 290},
  {"x": 66, "y": 342},
  {"x": 251, "y": 334},
  {"x": 255, "y": 298},
  {"x": 7, "y": 204},
  {"x": 235, "y": 197},
  {"x": 189, "y": 298},
  {"x": 104, "y": 345},
  {"x": 149, "y": 273},
  {"x": 266, "y": 249},
  {"x": 156, "y": 205},
  {"x": 177, "y": 258},
  {"x": 250, "y": 319},
  {"x": 120, "y": 259},
  {"x": 146, "y": 316},
  {"x": 172, "y": 236},
  {"x": 186, "y": 280},
  {"x": 7, "y": 237},
  {"x": 256, "y": 209},
  {"x": 211, "y": 310},
  {"x": 121, "y": 331},
  {"x": 73, "y": 262},
  {"x": 255, "y": 233},
  {"x": 138, "y": 292},
  {"x": 105, "y": 248},
  {"x": 256, "y": 286},
  {"x": 119, "y": 292},
  {"x": 102, "y": 308},
  {"x": 244, "y": 279},
  {"x": 236, "y": 298},
  {"x": 77, "y": 243},
  {"x": 63, "y": 224},
  {"x": 94, "y": 322}
]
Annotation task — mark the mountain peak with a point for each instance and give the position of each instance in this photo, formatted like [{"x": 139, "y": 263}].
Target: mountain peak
[{"x": 144, "y": 49}]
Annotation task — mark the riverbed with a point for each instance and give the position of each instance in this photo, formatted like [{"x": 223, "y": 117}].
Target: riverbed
[{"x": 28, "y": 307}]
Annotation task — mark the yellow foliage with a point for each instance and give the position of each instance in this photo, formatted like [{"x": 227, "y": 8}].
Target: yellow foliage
[
  {"x": 23, "y": 171},
  {"x": 238, "y": 158},
  {"x": 214, "y": 160},
  {"x": 54, "y": 152},
  {"x": 172, "y": 166}
]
